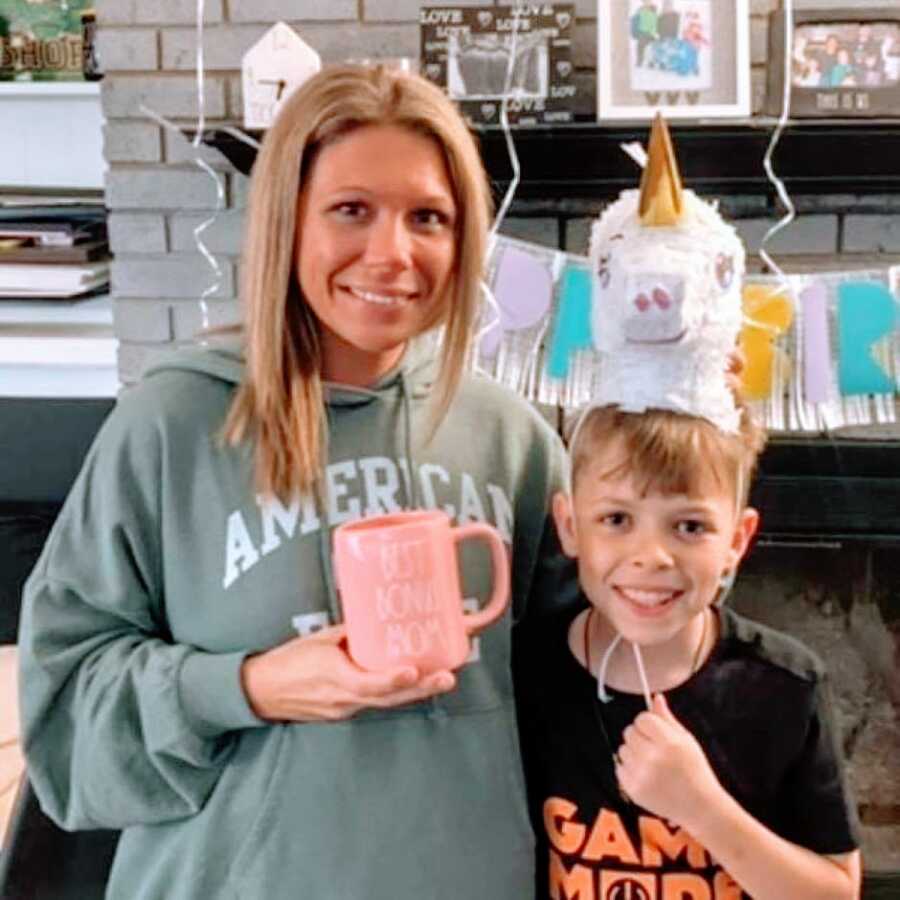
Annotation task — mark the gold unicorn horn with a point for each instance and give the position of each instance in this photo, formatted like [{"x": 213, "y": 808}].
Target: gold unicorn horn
[{"x": 662, "y": 199}]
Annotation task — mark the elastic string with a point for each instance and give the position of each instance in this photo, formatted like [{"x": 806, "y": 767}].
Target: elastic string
[
  {"x": 639, "y": 660},
  {"x": 604, "y": 665},
  {"x": 407, "y": 428}
]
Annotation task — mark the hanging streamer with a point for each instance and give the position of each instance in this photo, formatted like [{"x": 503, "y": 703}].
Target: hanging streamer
[
  {"x": 196, "y": 143},
  {"x": 778, "y": 184},
  {"x": 220, "y": 187}
]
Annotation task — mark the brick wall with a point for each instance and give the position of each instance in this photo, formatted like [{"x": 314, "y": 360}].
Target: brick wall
[{"x": 157, "y": 195}]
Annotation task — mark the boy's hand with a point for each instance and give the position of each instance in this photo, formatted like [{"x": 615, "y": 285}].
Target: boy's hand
[{"x": 662, "y": 768}]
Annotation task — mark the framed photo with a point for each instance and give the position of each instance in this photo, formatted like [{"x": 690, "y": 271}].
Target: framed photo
[
  {"x": 42, "y": 41},
  {"x": 685, "y": 58},
  {"x": 466, "y": 50},
  {"x": 845, "y": 63}
]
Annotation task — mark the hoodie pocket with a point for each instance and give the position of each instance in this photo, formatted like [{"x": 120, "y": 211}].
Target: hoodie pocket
[
  {"x": 386, "y": 810},
  {"x": 262, "y": 821}
]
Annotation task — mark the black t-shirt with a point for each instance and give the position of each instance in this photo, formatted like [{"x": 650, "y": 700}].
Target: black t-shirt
[{"x": 758, "y": 706}]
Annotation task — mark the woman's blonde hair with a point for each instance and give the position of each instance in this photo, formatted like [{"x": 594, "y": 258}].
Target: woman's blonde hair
[
  {"x": 670, "y": 452},
  {"x": 280, "y": 403}
]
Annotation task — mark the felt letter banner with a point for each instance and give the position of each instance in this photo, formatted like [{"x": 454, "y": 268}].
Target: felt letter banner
[
  {"x": 867, "y": 312},
  {"x": 523, "y": 289},
  {"x": 767, "y": 316},
  {"x": 816, "y": 351},
  {"x": 572, "y": 329}
]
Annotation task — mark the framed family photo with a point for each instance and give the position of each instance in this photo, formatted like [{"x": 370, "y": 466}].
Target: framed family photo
[
  {"x": 685, "y": 58},
  {"x": 845, "y": 63}
]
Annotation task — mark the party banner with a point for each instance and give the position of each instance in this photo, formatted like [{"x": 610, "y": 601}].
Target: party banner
[{"x": 821, "y": 350}]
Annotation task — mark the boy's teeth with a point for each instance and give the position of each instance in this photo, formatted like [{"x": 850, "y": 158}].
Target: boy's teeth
[{"x": 646, "y": 598}]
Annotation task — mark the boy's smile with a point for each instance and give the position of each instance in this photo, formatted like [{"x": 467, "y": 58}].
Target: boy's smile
[{"x": 650, "y": 562}]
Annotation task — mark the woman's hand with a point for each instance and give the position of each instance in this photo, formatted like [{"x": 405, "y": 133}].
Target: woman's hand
[
  {"x": 312, "y": 679},
  {"x": 662, "y": 767}
]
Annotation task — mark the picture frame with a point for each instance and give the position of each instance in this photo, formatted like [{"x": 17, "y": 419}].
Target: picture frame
[
  {"x": 845, "y": 63},
  {"x": 689, "y": 59},
  {"x": 47, "y": 41},
  {"x": 465, "y": 50}
]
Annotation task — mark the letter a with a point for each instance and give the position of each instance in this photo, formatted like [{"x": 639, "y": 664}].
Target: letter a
[
  {"x": 240, "y": 554},
  {"x": 609, "y": 838}
]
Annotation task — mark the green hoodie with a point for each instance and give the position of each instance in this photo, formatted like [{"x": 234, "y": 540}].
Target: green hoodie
[{"x": 165, "y": 570}]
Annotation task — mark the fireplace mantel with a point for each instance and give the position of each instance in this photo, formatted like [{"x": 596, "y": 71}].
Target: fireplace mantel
[{"x": 585, "y": 161}]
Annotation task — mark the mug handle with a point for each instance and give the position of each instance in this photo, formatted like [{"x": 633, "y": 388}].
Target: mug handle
[{"x": 499, "y": 600}]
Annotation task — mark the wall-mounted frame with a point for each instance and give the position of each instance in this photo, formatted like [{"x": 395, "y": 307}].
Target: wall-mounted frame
[
  {"x": 466, "y": 50},
  {"x": 845, "y": 63},
  {"x": 42, "y": 41},
  {"x": 689, "y": 59}
]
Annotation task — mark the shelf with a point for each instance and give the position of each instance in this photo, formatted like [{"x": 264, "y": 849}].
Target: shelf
[
  {"x": 92, "y": 311},
  {"x": 585, "y": 160},
  {"x": 49, "y": 88},
  {"x": 38, "y": 151},
  {"x": 58, "y": 348}
]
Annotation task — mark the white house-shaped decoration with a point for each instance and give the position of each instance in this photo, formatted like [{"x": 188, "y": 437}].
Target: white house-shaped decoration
[{"x": 273, "y": 68}]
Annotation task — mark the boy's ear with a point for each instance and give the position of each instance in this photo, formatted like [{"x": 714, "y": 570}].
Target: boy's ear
[
  {"x": 744, "y": 529},
  {"x": 564, "y": 517}
]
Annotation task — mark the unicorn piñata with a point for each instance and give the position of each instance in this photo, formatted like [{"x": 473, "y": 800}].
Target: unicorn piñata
[{"x": 667, "y": 273}]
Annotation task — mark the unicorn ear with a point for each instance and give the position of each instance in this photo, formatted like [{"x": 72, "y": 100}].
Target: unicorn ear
[{"x": 662, "y": 199}]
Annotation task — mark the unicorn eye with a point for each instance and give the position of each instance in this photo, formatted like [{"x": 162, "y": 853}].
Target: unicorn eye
[
  {"x": 603, "y": 273},
  {"x": 724, "y": 270}
]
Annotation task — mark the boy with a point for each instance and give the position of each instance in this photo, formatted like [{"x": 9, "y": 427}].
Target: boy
[{"x": 673, "y": 750}]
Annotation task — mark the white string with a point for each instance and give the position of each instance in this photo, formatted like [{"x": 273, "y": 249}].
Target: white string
[
  {"x": 604, "y": 665},
  {"x": 507, "y": 131},
  {"x": 495, "y": 322},
  {"x": 241, "y": 136},
  {"x": 790, "y": 210},
  {"x": 600, "y": 675},
  {"x": 639, "y": 661},
  {"x": 219, "y": 206},
  {"x": 635, "y": 149},
  {"x": 220, "y": 189}
]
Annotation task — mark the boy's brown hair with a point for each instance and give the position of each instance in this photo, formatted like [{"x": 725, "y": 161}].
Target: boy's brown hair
[{"x": 667, "y": 451}]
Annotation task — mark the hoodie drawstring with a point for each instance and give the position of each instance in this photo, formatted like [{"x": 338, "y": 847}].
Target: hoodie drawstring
[{"x": 321, "y": 497}]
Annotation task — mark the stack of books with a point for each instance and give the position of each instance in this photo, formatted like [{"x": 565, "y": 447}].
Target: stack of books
[{"x": 53, "y": 250}]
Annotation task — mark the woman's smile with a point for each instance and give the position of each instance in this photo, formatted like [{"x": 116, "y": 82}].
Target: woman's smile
[{"x": 376, "y": 248}]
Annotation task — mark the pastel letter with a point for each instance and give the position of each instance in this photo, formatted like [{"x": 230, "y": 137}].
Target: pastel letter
[{"x": 867, "y": 312}]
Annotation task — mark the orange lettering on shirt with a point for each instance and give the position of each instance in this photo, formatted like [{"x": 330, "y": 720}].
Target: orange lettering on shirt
[
  {"x": 726, "y": 887},
  {"x": 657, "y": 841},
  {"x": 682, "y": 886},
  {"x": 565, "y": 835},
  {"x": 609, "y": 838},
  {"x": 575, "y": 885}
]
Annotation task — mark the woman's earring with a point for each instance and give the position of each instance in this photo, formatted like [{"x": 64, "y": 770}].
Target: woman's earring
[{"x": 726, "y": 583}]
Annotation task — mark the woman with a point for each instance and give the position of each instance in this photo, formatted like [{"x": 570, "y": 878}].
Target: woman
[{"x": 174, "y": 681}]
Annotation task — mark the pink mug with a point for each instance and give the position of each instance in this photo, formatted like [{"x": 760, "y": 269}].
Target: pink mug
[{"x": 398, "y": 581}]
